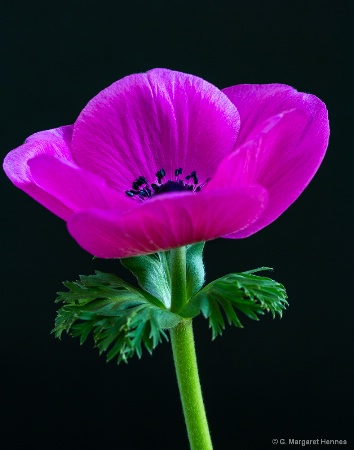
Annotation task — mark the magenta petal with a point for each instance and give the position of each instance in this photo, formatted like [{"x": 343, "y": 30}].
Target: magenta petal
[
  {"x": 257, "y": 103},
  {"x": 54, "y": 142},
  {"x": 159, "y": 119},
  {"x": 76, "y": 188},
  {"x": 283, "y": 159},
  {"x": 167, "y": 221}
]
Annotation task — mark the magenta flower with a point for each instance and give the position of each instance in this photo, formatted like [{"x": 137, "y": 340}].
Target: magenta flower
[{"x": 164, "y": 159}]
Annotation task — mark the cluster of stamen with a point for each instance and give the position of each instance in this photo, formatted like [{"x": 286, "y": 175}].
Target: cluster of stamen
[{"x": 142, "y": 189}]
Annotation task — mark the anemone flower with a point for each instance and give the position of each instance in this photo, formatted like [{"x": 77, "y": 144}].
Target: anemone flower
[
  {"x": 155, "y": 162},
  {"x": 163, "y": 159}
]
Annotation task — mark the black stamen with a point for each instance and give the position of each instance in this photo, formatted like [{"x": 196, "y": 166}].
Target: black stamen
[
  {"x": 160, "y": 174},
  {"x": 135, "y": 185},
  {"x": 143, "y": 180},
  {"x": 129, "y": 193}
]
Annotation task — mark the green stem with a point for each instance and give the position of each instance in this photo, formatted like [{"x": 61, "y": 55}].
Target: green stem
[
  {"x": 185, "y": 359},
  {"x": 178, "y": 278},
  {"x": 189, "y": 386}
]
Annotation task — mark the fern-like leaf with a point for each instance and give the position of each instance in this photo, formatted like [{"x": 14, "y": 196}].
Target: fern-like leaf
[
  {"x": 251, "y": 294},
  {"x": 121, "y": 318}
]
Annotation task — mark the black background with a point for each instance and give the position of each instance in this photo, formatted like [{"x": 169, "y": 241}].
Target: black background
[{"x": 288, "y": 378}]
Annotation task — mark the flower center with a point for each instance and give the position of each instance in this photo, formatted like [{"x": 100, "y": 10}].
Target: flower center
[{"x": 142, "y": 189}]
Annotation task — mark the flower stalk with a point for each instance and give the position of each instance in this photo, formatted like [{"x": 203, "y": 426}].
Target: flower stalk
[
  {"x": 178, "y": 278},
  {"x": 185, "y": 359}
]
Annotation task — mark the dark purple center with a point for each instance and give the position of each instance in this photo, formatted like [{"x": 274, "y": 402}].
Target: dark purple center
[{"x": 142, "y": 189}]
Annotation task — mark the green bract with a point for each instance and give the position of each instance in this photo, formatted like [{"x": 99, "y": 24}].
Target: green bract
[
  {"x": 153, "y": 272},
  {"x": 120, "y": 316},
  {"x": 250, "y": 294},
  {"x": 123, "y": 318}
]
